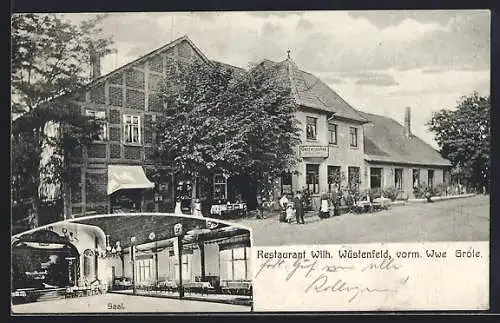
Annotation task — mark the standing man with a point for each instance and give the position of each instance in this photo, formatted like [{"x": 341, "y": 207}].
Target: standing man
[
  {"x": 298, "y": 203},
  {"x": 260, "y": 207}
]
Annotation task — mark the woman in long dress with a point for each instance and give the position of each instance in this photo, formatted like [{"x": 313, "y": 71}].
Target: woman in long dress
[
  {"x": 324, "y": 211},
  {"x": 197, "y": 208},
  {"x": 178, "y": 209}
]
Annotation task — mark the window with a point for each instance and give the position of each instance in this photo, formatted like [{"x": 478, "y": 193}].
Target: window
[
  {"x": 186, "y": 266},
  {"x": 332, "y": 133},
  {"x": 416, "y": 177},
  {"x": 237, "y": 263},
  {"x": 88, "y": 264},
  {"x": 333, "y": 177},
  {"x": 430, "y": 178},
  {"x": 312, "y": 178},
  {"x": 144, "y": 271},
  {"x": 353, "y": 135},
  {"x": 286, "y": 183},
  {"x": 375, "y": 177},
  {"x": 220, "y": 187},
  {"x": 132, "y": 128},
  {"x": 398, "y": 178},
  {"x": 311, "y": 127},
  {"x": 99, "y": 115},
  {"x": 354, "y": 179}
]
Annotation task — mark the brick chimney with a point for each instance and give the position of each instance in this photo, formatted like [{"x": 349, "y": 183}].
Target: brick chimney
[
  {"x": 407, "y": 124},
  {"x": 96, "y": 66}
]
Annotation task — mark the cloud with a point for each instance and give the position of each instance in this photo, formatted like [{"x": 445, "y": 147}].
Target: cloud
[
  {"x": 378, "y": 80},
  {"x": 305, "y": 24},
  {"x": 387, "y": 18},
  {"x": 271, "y": 14},
  {"x": 462, "y": 42}
]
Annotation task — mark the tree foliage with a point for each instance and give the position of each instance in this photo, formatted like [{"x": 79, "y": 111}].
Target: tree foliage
[
  {"x": 50, "y": 64},
  {"x": 463, "y": 135},
  {"x": 218, "y": 119}
]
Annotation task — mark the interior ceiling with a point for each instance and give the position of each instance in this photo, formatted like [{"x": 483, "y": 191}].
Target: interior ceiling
[{"x": 123, "y": 227}]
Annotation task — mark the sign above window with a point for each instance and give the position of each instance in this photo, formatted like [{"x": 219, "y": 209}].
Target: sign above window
[{"x": 314, "y": 151}]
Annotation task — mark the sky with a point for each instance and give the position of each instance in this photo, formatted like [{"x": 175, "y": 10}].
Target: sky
[{"x": 378, "y": 61}]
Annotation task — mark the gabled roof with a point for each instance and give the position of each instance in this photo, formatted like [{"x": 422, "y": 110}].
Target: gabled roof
[
  {"x": 145, "y": 57},
  {"x": 310, "y": 91},
  {"x": 385, "y": 141}
]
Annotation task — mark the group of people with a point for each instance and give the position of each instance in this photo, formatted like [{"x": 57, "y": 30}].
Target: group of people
[{"x": 292, "y": 209}]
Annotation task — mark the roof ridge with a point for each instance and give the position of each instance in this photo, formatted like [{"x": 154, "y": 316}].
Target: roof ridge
[
  {"x": 293, "y": 85},
  {"x": 149, "y": 54}
]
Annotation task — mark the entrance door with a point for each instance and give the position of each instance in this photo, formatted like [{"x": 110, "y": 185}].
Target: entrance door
[
  {"x": 398, "y": 178},
  {"x": 312, "y": 178}
]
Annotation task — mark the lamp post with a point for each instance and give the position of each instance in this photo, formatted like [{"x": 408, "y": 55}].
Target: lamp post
[
  {"x": 178, "y": 233},
  {"x": 132, "y": 259}
]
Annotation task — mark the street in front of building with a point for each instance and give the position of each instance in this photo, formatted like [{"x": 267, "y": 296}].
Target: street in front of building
[{"x": 465, "y": 219}]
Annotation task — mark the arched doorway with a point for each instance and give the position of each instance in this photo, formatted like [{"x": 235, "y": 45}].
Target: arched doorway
[{"x": 44, "y": 260}]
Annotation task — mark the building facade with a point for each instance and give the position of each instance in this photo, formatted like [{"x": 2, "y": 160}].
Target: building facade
[
  {"x": 116, "y": 172},
  {"x": 341, "y": 146},
  {"x": 346, "y": 148}
]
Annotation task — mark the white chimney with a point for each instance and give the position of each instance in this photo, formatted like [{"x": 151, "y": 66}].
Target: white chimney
[
  {"x": 96, "y": 66},
  {"x": 407, "y": 124}
]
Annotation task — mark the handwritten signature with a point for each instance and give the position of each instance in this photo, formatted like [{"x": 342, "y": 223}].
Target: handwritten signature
[
  {"x": 321, "y": 284},
  {"x": 325, "y": 277}
]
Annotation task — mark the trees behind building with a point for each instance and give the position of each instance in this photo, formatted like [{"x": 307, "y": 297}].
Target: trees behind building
[
  {"x": 463, "y": 135},
  {"x": 50, "y": 59}
]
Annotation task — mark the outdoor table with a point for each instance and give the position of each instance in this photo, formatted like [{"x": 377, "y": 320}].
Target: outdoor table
[
  {"x": 382, "y": 202},
  {"x": 201, "y": 287},
  {"x": 365, "y": 205},
  {"x": 231, "y": 209}
]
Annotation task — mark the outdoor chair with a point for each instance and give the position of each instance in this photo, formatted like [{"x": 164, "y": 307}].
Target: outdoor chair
[
  {"x": 70, "y": 292},
  {"x": 237, "y": 287}
]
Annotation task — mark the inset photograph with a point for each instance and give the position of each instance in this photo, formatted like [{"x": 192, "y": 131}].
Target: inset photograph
[{"x": 132, "y": 263}]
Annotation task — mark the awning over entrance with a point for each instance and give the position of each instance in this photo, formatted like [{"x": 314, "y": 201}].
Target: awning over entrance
[{"x": 125, "y": 176}]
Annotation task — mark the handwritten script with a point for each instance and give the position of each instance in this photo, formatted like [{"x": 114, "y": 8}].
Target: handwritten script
[{"x": 329, "y": 276}]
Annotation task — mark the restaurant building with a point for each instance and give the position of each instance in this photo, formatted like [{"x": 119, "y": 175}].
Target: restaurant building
[
  {"x": 344, "y": 147},
  {"x": 340, "y": 145}
]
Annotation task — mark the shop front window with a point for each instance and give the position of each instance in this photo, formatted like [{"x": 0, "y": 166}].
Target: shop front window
[
  {"x": 286, "y": 183},
  {"x": 375, "y": 177},
  {"x": 220, "y": 187},
  {"x": 333, "y": 177},
  {"x": 353, "y": 178},
  {"x": 126, "y": 201},
  {"x": 312, "y": 178}
]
